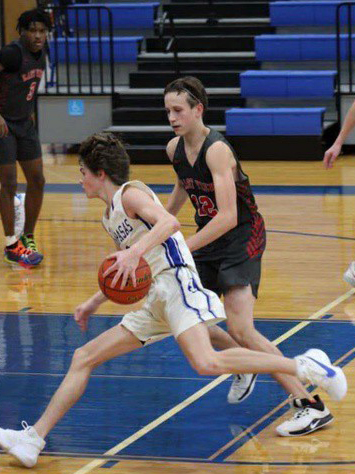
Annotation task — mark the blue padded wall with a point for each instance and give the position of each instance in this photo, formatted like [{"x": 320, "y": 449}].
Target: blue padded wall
[
  {"x": 124, "y": 16},
  {"x": 285, "y": 121},
  {"x": 287, "y": 83},
  {"x": 125, "y": 49},
  {"x": 311, "y": 13},
  {"x": 301, "y": 47}
]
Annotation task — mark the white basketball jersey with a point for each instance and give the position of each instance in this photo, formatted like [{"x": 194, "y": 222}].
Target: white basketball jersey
[{"x": 126, "y": 231}]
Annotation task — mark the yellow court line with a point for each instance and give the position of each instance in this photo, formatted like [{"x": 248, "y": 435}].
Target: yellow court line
[{"x": 207, "y": 388}]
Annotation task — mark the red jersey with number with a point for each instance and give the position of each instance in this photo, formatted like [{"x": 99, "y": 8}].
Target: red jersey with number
[
  {"x": 18, "y": 89},
  {"x": 198, "y": 183}
]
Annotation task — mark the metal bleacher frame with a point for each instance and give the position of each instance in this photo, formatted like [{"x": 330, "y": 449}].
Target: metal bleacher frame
[
  {"x": 61, "y": 29},
  {"x": 69, "y": 105},
  {"x": 345, "y": 93}
]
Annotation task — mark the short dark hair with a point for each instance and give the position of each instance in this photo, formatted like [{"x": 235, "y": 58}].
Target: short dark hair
[
  {"x": 31, "y": 16},
  {"x": 105, "y": 151},
  {"x": 196, "y": 93}
]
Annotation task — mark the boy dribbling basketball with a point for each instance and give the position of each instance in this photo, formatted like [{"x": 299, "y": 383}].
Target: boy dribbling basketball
[{"x": 176, "y": 303}]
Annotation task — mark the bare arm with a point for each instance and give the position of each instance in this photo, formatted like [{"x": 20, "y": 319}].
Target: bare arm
[
  {"x": 220, "y": 161},
  {"x": 333, "y": 152},
  {"x": 178, "y": 196},
  {"x": 136, "y": 204},
  {"x": 4, "y": 131},
  {"x": 3, "y": 126},
  {"x": 84, "y": 310}
]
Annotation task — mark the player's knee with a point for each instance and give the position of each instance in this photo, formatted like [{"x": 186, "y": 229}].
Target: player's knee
[
  {"x": 9, "y": 187},
  {"x": 206, "y": 365},
  {"x": 82, "y": 358},
  {"x": 38, "y": 180},
  {"x": 244, "y": 335}
]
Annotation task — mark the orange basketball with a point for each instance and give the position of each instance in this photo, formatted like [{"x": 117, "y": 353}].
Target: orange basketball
[{"x": 129, "y": 294}]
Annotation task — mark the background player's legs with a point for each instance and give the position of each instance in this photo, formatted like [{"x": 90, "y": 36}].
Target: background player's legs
[
  {"x": 112, "y": 343},
  {"x": 220, "y": 339},
  {"x": 239, "y": 305},
  {"x": 8, "y": 183},
  {"x": 33, "y": 171}
]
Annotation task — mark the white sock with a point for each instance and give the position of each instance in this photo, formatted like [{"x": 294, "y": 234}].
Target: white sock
[{"x": 11, "y": 239}]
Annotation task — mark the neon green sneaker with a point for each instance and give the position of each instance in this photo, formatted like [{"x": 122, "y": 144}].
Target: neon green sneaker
[{"x": 29, "y": 242}]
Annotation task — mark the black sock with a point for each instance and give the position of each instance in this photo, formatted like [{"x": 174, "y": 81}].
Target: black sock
[{"x": 13, "y": 246}]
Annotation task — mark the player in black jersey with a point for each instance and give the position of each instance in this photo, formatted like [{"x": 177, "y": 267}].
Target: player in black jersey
[
  {"x": 230, "y": 239},
  {"x": 22, "y": 64}
]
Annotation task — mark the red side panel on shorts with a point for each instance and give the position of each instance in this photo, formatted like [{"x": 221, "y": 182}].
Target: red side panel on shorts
[{"x": 256, "y": 244}]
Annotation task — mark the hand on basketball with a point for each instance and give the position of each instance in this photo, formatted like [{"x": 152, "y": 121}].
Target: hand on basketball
[
  {"x": 331, "y": 155},
  {"x": 4, "y": 131},
  {"x": 125, "y": 266}
]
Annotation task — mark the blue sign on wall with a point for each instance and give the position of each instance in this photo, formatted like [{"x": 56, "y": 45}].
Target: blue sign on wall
[{"x": 76, "y": 107}]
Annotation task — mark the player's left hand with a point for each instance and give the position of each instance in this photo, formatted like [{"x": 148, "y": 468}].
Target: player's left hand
[{"x": 126, "y": 263}]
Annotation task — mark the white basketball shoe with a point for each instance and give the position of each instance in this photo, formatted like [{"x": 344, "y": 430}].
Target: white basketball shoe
[
  {"x": 307, "y": 417},
  {"x": 25, "y": 445},
  {"x": 242, "y": 386},
  {"x": 19, "y": 205},
  {"x": 314, "y": 366},
  {"x": 349, "y": 275}
]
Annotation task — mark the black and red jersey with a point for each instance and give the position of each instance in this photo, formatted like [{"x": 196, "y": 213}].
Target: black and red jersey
[
  {"x": 198, "y": 183},
  {"x": 18, "y": 89}
]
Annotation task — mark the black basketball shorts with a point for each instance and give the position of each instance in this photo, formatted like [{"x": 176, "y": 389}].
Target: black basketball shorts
[
  {"x": 21, "y": 143},
  {"x": 237, "y": 263}
]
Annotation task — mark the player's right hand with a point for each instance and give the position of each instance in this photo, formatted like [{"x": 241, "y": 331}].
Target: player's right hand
[
  {"x": 4, "y": 131},
  {"x": 331, "y": 155}
]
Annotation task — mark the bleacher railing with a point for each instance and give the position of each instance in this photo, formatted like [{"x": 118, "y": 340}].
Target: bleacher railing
[
  {"x": 172, "y": 45},
  {"x": 81, "y": 51},
  {"x": 345, "y": 12}
]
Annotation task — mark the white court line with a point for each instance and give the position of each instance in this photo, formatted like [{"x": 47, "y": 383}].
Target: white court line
[{"x": 207, "y": 388}]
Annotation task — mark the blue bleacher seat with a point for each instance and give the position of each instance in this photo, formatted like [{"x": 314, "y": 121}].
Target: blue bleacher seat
[
  {"x": 124, "y": 15},
  {"x": 287, "y": 83},
  {"x": 300, "y": 47},
  {"x": 275, "y": 121},
  {"x": 310, "y": 13},
  {"x": 125, "y": 49}
]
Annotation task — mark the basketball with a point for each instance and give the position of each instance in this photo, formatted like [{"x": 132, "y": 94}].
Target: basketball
[{"x": 129, "y": 294}]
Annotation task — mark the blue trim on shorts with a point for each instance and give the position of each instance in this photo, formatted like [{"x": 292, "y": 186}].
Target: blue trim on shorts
[
  {"x": 173, "y": 248},
  {"x": 207, "y": 298},
  {"x": 197, "y": 311}
]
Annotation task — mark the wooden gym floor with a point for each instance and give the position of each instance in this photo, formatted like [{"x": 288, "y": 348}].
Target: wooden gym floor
[{"x": 148, "y": 412}]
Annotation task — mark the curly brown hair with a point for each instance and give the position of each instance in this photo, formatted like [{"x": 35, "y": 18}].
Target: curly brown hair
[{"x": 105, "y": 151}]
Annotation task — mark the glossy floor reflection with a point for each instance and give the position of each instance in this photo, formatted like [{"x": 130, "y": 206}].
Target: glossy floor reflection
[{"x": 129, "y": 392}]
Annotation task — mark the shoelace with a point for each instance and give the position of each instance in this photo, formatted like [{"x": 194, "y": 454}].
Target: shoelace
[
  {"x": 22, "y": 250},
  {"x": 31, "y": 245},
  {"x": 300, "y": 413}
]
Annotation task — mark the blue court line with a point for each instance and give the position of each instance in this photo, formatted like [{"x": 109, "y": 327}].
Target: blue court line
[
  {"x": 308, "y": 234},
  {"x": 288, "y": 232},
  {"x": 258, "y": 189},
  {"x": 63, "y": 334}
]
